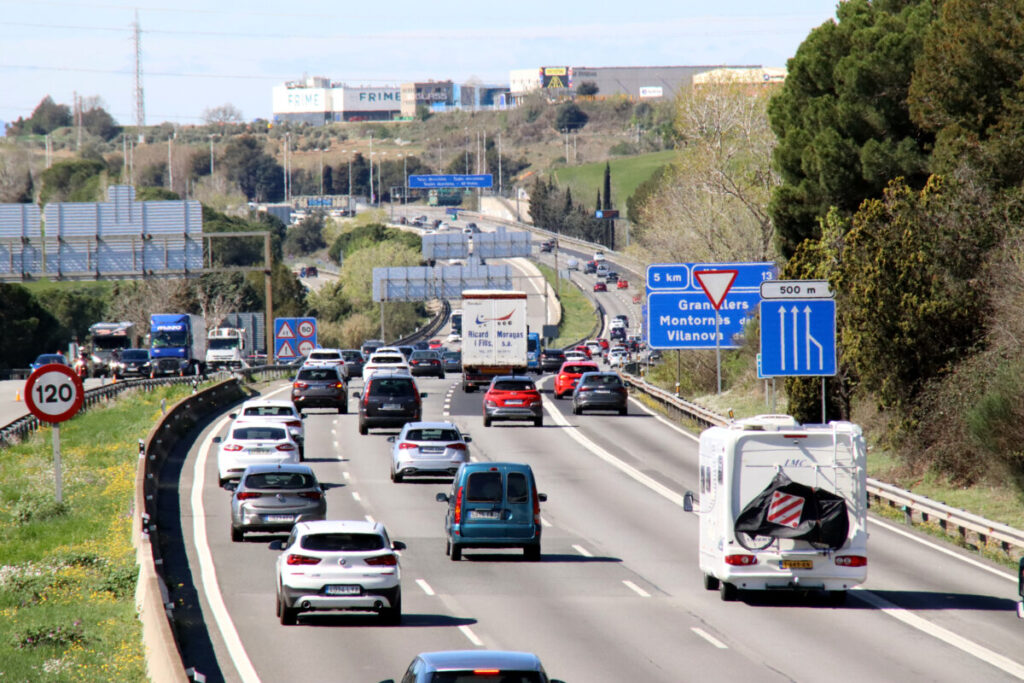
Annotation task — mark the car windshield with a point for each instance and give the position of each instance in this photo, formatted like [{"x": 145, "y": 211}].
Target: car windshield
[
  {"x": 432, "y": 434},
  {"x": 474, "y": 675},
  {"x": 578, "y": 369},
  {"x": 391, "y": 387},
  {"x": 222, "y": 344},
  {"x": 169, "y": 338},
  {"x": 50, "y": 358},
  {"x": 279, "y": 480},
  {"x": 484, "y": 487},
  {"x": 272, "y": 411},
  {"x": 514, "y": 385},
  {"x": 258, "y": 434},
  {"x": 341, "y": 542},
  {"x": 318, "y": 374}
]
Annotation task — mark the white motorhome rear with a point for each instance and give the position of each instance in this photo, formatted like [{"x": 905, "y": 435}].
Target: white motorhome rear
[{"x": 739, "y": 463}]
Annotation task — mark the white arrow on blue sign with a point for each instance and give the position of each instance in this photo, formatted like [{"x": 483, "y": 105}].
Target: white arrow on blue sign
[{"x": 798, "y": 338}]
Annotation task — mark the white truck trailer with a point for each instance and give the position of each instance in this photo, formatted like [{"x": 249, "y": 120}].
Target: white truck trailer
[
  {"x": 225, "y": 348},
  {"x": 783, "y": 506},
  {"x": 493, "y": 335}
]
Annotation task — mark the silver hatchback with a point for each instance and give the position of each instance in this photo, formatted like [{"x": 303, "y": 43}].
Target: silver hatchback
[
  {"x": 428, "y": 448},
  {"x": 275, "y": 498}
]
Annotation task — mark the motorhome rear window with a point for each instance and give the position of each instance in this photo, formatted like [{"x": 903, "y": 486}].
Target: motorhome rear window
[{"x": 484, "y": 487}]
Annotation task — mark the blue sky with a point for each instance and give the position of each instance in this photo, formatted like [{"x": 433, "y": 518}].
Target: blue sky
[{"x": 200, "y": 54}]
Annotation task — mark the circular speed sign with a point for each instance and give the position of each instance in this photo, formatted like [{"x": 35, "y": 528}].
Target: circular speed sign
[
  {"x": 54, "y": 393},
  {"x": 306, "y": 329}
]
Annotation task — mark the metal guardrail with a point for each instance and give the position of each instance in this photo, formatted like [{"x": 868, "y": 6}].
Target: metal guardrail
[
  {"x": 430, "y": 329},
  {"x": 948, "y": 518}
]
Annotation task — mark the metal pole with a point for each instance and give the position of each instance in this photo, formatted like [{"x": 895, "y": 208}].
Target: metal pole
[
  {"x": 170, "y": 167},
  {"x": 321, "y": 171},
  {"x": 718, "y": 355},
  {"x": 405, "y": 172},
  {"x": 350, "y": 184},
  {"x": 499, "y": 165},
  {"x": 57, "y": 475},
  {"x": 371, "y": 170},
  {"x": 211, "y": 155},
  {"x": 382, "y": 337},
  {"x": 822, "y": 399},
  {"x": 267, "y": 281}
]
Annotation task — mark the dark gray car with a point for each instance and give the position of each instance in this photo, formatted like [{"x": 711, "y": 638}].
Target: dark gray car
[
  {"x": 389, "y": 400},
  {"x": 274, "y": 498},
  {"x": 426, "y": 363},
  {"x": 354, "y": 361},
  {"x": 476, "y": 665},
  {"x": 452, "y": 361},
  {"x": 599, "y": 391},
  {"x": 320, "y": 386}
]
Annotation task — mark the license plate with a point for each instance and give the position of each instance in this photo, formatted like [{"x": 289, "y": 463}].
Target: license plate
[
  {"x": 604, "y": 391},
  {"x": 483, "y": 514},
  {"x": 344, "y": 590},
  {"x": 433, "y": 451},
  {"x": 280, "y": 518},
  {"x": 514, "y": 402},
  {"x": 259, "y": 451},
  {"x": 391, "y": 406},
  {"x": 796, "y": 564}
]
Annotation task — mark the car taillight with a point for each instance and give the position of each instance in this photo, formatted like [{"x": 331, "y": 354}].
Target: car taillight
[
  {"x": 851, "y": 561},
  {"x": 293, "y": 423},
  {"x": 405, "y": 444},
  {"x": 285, "y": 447},
  {"x": 536, "y": 507},
  {"x": 740, "y": 560},
  {"x": 490, "y": 404},
  {"x": 247, "y": 495},
  {"x": 457, "y": 446},
  {"x": 338, "y": 385},
  {"x": 586, "y": 388},
  {"x": 382, "y": 561},
  {"x": 486, "y": 672},
  {"x": 302, "y": 559},
  {"x": 458, "y": 506},
  {"x": 300, "y": 385},
  {"x": 232, "y": 447},
  {"x": 312, "y": 495}
]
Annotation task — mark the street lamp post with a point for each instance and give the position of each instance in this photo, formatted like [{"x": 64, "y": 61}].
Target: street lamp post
[{"x": 321, "y": 171}]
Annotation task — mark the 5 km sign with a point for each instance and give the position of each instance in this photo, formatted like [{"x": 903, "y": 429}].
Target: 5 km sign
[{"x": 54, "y": 393}]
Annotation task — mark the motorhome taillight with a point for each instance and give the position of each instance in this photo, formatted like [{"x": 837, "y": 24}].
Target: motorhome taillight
[
  {"x": 851, "y": 561},
  {"x": 458, "y": 506},
  {"x": 794, "y": 436},
  {"x": 740, "y": 560}
]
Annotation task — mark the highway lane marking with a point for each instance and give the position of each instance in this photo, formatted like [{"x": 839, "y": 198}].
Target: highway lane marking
[
  {"x": 934, "y": 546},
  {"x": 207, "y": 570},
  {"x": 355, "y": 496},
  {"x": 468, "y": 632},
  {"x": 710, "y": 638},
  {"x": 336, "y": 446},
  {"x": 582, "y": 551},
  {"x": 910, "y": 619},
  {"x": 662, "y": 419},
  {"x": 544, "y": 522},
  {"x": 425, "y": 586},
  {"x": 371, "y": 521},
  {"x": 346, "y": 475},
  {"x": 636, "y": 589}
]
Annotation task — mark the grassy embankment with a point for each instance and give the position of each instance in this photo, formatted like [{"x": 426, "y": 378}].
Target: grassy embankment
[
  {"x": 627, "y": 173},
  {"x": 578, "y": 316},
  {"x": 68, "y": 571}
]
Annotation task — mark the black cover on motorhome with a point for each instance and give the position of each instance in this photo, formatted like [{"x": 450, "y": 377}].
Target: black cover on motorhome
[{"x": 786, "y": 509}]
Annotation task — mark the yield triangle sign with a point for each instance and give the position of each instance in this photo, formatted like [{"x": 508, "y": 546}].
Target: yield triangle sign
[
  {"x": 286, "y": 351},
  {"x": 716, "y": 284},
  {"x": 285, "y": 332}
]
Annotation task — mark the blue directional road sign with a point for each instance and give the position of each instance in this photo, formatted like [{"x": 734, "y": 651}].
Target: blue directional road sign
[
  {"x": 686, "y": 319},
  {"x": 798, "y": 337},
  {"x": 451, "y": 180},
  {"x": 680, "y": 276}
]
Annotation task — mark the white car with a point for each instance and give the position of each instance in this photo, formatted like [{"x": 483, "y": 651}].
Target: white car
[
  {"x": 575, "y": 356},
  {"x": 338, "y": 565},
  {"x": 617, "y": 358},
  {"x": 595, "y": 348},
  {"x": 453, "y": 338},
  {"x": 386, "y": 361},
  {"x": 273, "y": 410},
  {"x": 253, "y": 443},
  {"x": 428, "y": 448},
  {"x": 327, "y": 357}
]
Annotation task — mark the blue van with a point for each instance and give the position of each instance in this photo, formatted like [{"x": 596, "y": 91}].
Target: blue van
[{"x": 493, "y": 505}]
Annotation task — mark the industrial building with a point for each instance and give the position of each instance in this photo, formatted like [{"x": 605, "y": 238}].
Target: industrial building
[{"x": 317, "y": 100}]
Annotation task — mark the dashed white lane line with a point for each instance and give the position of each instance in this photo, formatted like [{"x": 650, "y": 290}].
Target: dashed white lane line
[
  {"x": 544, "y": 522},
  {"x": 582, "y": 551},
  {"x": 346, "y": 475},
  {"x": 355, "y": 496},
  {"x": 425, "y": 586},
  {"x": 372, "y": 521},
  {"x": 336, "y": 446},
  {"x": 468, "y": 632},
  {"x": 636, "y": 589},
  {"x": 710, "y": 638}
]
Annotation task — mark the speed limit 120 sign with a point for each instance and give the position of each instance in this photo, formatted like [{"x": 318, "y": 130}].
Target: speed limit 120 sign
[{"x": 54, "y": 393}]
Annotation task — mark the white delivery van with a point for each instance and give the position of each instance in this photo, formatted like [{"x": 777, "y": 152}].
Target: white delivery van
[{"x": 783, "y": 506}]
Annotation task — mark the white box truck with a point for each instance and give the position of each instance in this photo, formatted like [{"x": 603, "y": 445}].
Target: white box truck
[
  {"x": 493, "y": 335},
  {"x": 783, "y": 506}
]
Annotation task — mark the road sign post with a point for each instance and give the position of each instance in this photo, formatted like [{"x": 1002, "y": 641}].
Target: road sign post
[
  {"x": 716, "y": 284},
  {"x": 54, "y": 393}
]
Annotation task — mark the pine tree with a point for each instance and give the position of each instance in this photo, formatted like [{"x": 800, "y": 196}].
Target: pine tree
[{"x": 607, "y": 187}]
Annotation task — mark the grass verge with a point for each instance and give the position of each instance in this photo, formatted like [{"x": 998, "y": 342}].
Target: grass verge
[
  {"x": 578, "y": 313},
  {"x": 626, "y": 172},
  {"x": 68, "y": 571}
]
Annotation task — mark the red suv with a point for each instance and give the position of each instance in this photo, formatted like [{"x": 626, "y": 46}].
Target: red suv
[
  {"x": 513, "y": 398},
  {"x": 565, "y": 380}
]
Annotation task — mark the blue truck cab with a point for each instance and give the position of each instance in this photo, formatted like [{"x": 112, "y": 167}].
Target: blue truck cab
[
  {"x": 493, "y": 505},
  {"x": 532, "y": 352},
  {"x": 177, "y": 343}
]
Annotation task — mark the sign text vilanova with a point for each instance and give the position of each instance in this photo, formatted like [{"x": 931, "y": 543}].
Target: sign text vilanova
[
  {"x": 680, "y": 314},
  {"x": 451, "y": 180}
]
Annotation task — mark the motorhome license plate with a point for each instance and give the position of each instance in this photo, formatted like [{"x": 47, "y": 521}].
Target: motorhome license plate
[
  {"x": 344, "y": 590},
  {"x": 280, "y": 518},
  {"x": 391, "y": 406},
  {"x": 483, "y": 514},
  {"x": 796, "y": 564}
]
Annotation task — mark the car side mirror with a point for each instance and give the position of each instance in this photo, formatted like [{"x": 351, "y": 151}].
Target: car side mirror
[
  {"x": 542, "y": 497},
  {"x": 688, "y": 501},
  {"x": 355, "y": 394},
  {"x": 217, "y": 439},
  {"x": 277, "y": 545},
  {"x": 230, "y": 485},
  {"x": 391, "y": 439},
  {"x": 441, "y": 498},
  {"x": 423, "y": 394},
  {"x": 467, "y": 438},
  {"x": 397, "y": 545}
]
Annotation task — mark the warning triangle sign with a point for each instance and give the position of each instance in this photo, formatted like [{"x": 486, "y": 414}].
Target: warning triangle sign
[
  {"x": 286, "y": 351},
  {"x": 716, "y": 284},
  {"x": 286, "y": 332},
  {"x": 555, "y": 82}
]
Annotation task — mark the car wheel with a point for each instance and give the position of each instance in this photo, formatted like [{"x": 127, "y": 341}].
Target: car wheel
[
  {"x": 288, "y": 615},
  {"x": 363, "y": 429},
  {"x": 623, "y": 410},
  {"x": 237, "y": 535},
  {"x": 532, "y": 552},
  {"x": 396, "y": 477},
  {"x": 710, "y": 582},
  {"x": 837, "y": 598},
  {"x": 487, "y": 421},
  {"x": 342, "y": 410},
  {"x": 447, "y": 548},
  {"x": 558, "y": 395},
  {"x": 456, "y": 553},
  {"x": 538, "y": 421},
  {"x": 302, "y": 453},
  {"x": 576, "y": 410},
  {"x": 727, "y": 591},
  {"x": 393, "y": 615}
]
